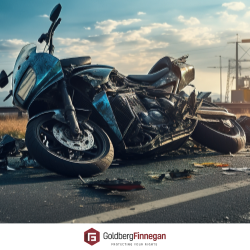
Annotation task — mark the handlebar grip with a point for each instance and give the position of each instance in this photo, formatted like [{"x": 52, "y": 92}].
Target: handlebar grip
[{"x": 42, "y": 38}]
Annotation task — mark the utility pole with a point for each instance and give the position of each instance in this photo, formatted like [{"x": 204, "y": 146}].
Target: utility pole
[
  {"x": 237, "y": 58},
  {"x": 237, "y": 63},
  {"x": 220, "y": 78},
  {"x": 220, "y": 81}
]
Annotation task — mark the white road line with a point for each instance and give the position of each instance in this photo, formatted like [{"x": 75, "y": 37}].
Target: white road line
[{"x": 149, "y": 206}]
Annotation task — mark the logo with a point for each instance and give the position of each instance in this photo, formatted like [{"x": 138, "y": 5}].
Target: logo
[{"x": 91, "y": 236}]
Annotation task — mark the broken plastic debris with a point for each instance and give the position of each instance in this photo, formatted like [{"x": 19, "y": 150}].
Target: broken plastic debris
[
  {"x": 115, "y": 184},
  {"x": 198, "y": 165},
  {"x": 210, "y": 164},
  {"x": 236, "y": 169},
  {"x": 157, "y": 177},
  {"x": 10, "y": 169},
  {"x": 27, "y": 160},
  {"x": 228, "y": 173},
  {"x": 181, "y": 174}
]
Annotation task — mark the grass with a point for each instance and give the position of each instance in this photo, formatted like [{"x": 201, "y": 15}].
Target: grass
[
  {"x": 16, "y": 127},
  {"x": 13, "y": 126}
]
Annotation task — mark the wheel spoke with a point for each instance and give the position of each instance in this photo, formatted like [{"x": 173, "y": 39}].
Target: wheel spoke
[{"x": 48, "y": 134}]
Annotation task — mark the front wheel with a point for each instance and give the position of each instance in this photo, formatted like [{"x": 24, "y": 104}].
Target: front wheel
[{"x": 49, "y": 143}]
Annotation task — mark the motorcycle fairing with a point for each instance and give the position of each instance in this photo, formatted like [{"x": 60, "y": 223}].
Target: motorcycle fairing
[
  {"x": 95, "y": 76},
  {"x": 46, "y": 67},
  {"x": 102, "y": 105}
]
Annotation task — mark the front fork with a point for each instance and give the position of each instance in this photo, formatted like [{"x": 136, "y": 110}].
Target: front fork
[{"x": 69, "y": 109}]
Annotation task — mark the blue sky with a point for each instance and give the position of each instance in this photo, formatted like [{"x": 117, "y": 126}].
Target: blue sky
[{"x": 132, "y": 35}]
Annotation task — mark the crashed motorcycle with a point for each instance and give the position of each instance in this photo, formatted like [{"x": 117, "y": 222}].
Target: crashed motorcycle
[{"x": 81, "y": 115}]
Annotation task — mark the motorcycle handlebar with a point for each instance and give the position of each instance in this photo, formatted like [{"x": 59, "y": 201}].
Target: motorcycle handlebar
[
  {"x": 42, "y": 38},
  {"x": 56, "y": 24}
]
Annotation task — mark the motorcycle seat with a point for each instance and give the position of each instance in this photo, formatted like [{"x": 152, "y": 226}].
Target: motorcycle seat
[
  {"x": 151, "y": 78},
  {"x": 75, "y": 61}
]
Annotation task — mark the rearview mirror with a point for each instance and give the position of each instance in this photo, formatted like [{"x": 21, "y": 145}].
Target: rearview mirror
[
  {"x": 55, "y": 13},
  {"x": 3, "y": 79}
]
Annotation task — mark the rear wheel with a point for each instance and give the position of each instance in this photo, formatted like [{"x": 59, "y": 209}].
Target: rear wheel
[
  {"x": 50, "y": 144},
  {"x": 226, "y": 138}
]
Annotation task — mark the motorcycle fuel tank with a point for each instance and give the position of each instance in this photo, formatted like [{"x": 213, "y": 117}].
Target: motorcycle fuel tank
[{"x": 96, "y": 76}]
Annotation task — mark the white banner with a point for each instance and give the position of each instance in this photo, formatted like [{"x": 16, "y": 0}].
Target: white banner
[{"x": 121, "y": 236}]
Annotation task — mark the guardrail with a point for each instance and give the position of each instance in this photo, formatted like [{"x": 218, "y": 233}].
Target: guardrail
[
  {"x": 235, "y": 107},
  {"x": 10, "y": 110}
]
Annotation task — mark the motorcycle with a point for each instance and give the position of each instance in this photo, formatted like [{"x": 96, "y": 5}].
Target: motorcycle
[{"x": 80, "y": 112}]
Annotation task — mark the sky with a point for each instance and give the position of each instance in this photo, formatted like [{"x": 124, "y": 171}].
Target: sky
[{"x": 133, "y": 35}]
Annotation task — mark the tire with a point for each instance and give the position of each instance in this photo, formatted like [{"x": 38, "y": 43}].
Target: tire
[
  {"x": 64, "y": 166},
  {"x": 218, "y": 141}
]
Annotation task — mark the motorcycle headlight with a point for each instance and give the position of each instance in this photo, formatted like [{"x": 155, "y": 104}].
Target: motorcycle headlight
[{"x": 27, "y": 83}]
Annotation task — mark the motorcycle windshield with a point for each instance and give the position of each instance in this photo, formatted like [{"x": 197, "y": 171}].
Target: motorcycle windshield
[{"x": 33, "y": 72}]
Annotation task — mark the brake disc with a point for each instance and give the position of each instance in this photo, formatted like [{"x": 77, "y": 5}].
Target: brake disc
[{"x": 62, "y": 132}]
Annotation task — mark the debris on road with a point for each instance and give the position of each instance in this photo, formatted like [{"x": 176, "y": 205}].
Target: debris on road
[
  {"x": 181, "y": 174},
  {"x": 10, "y": 169},
  {"x": 228, "y": 173},
  {"x": 210, "y": 164},
  {"x": 27, "y": 160},
  {"x": 157, "y": 177},
  {"x": 236, "y": 169},
  {"x": 115, "y": 184}
]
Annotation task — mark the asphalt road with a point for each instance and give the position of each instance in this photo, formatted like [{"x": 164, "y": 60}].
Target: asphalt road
[{"x": 35, "y": 195}]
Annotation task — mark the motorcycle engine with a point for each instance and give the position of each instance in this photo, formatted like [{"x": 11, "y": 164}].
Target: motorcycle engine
[{"x": 141, "y": 119}]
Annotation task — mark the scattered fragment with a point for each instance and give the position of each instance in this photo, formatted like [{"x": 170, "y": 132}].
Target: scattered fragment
[
  {"x": 236, "y": 169},
  {"x": 27, "y": 160},
  {"x": 181, "y": 174},
  {"x": 115, "y": 164},
  {"x": 158, "y": 177},
  {"x": 210, "y": 164},
  {"x": 226, "y": 173},
  {"x": 10, "y": 169},
  {"x": 115, "y": 184},
  {"x": 221, "y": 165},
  {"x": 198, "y": 165}
]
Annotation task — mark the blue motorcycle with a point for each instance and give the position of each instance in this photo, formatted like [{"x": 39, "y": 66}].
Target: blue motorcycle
[{"x": 79, "y": 112}]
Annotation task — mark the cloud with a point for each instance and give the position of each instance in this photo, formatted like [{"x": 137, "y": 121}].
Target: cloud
[
  {"x": 190, "y": 21},
  {"x": 109, "y": 25},
  {"x": 227, "y": 17},
  {"x": 70, "y": 41},
  {"x": 46, "y": 16},
  {"x": 236, "y": 6},
  {"x": 138, "y": 35},
  {"x": 87, "y": 28},
  {"x": 141, "y": 13},
  {"x": 198, "y": 36},
  {"x": 247, "y": 14}
]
